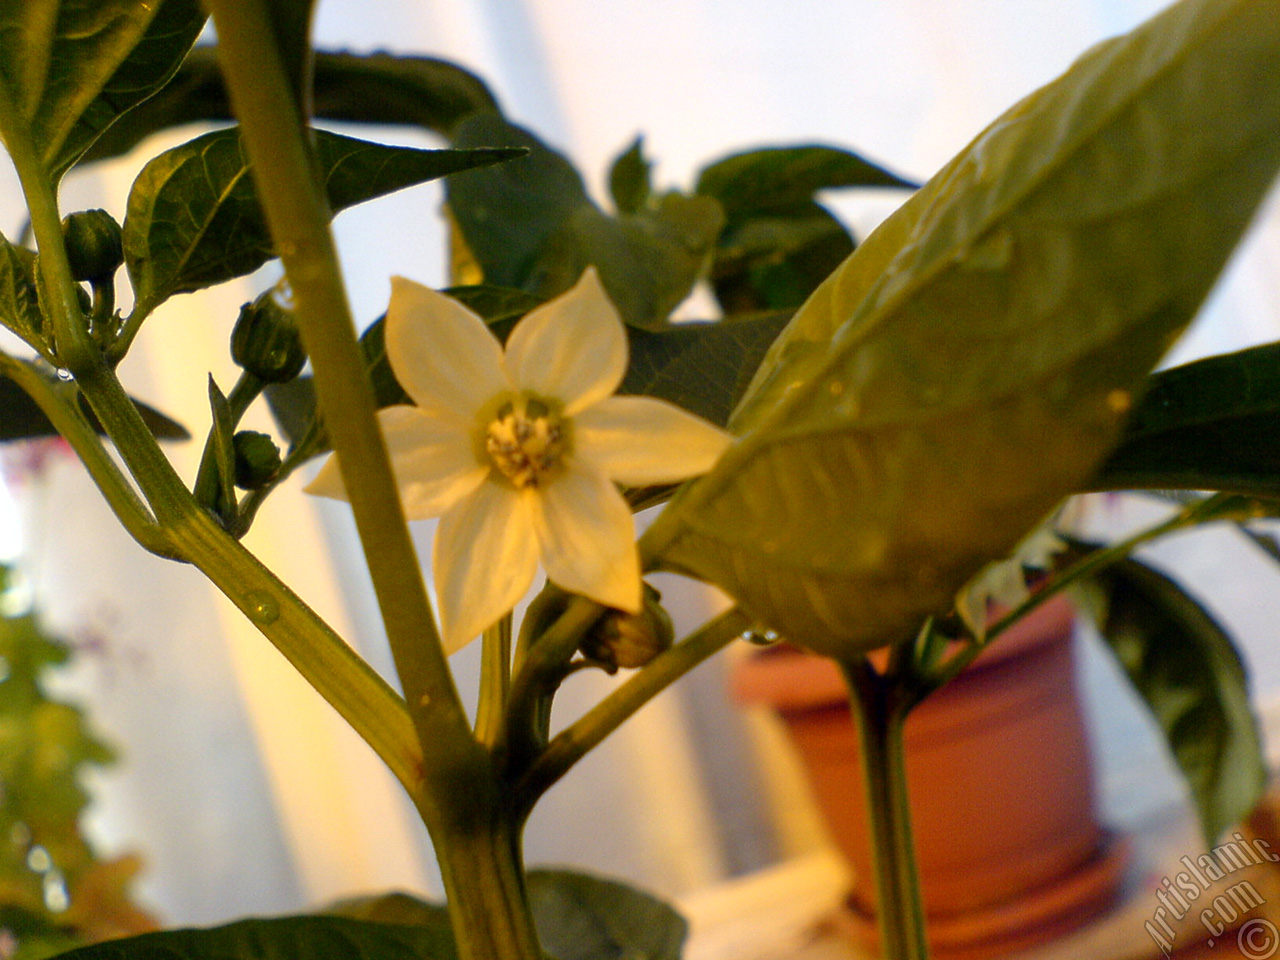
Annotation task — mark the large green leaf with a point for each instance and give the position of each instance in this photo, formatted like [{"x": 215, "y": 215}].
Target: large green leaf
[
  {"x": 193, "y": 216},
  {"x": 148, "y": 67},
  {"x": 1192, "y": 679},
  {"x": 970, "y": 364},
  {"x": 530, "y": 225},
  {"x": 360, "y": 88},
  {"x": 1209, "y": 425},
  {"x": 72, "y": 66},
  {"x": 581, "y": 917},
  {"x": 283, "y": 938}
]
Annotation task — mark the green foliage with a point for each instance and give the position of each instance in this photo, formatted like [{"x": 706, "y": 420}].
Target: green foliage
[
  {"x": 778, "y": 242},
  {"x": 530, "y": 225},
  {"x": 359, "y": 88},
  {"x": 581, "y": 917},
  {"x": 23, "y": 419},
  {"x": 193, "y": 218},
  {"x": 703, "y": 367},
  {"x": 1190, "y": 676},
  {"x": 1209, "y": 425},
  {"x": 281, "y": 938},
  {"x": 629, "y": 179},
  {"x": 19, "y": 301},
  {"x": 54, "y": 891},
  {"x": 969, "y": 365},
  {"x": 73, "y": 67}
]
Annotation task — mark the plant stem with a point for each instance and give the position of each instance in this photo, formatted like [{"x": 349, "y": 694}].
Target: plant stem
[
  {"x": 572, "y": 744},
  {"x": 298, "y": 214},
  {"x": 484, "y": 880},
  {"x": 880, "y": 716},
  {"x": 495, "y": 681}
]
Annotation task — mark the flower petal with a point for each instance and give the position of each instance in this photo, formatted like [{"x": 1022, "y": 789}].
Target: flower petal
[
  {"x": 587, "y": 538},
  {"x": 641, "y": 440},
  {"x": 484, "y": 557},
  {"x": 443, "y": 354},
  {"x": 433, "y": 459},
  {"x": 573, "y": 348}
]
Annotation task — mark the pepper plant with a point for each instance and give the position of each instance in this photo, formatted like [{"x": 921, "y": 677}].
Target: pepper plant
[{"x": 867, "y": 430}]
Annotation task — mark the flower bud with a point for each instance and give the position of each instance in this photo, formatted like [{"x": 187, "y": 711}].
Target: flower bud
[
  {"x": 266, "y": 342},
  {"x": 257, "y": 459},
  {"x": 94, "y": 247},
  {"x": 630, "y": 640}
]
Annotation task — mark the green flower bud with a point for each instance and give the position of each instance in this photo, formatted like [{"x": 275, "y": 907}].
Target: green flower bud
[
  {"x": 257, "y": 459},
  {"x": 266, "y": 342},
  {"x": 630, "y": 640},
  {"x": 94, "y": 248}
]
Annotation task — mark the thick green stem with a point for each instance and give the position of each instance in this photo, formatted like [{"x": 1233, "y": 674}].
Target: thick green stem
[
  {"x": 880, "y": 717},
  {"x": 483, "y": 874},
  {"x": 297, "y": 212}
]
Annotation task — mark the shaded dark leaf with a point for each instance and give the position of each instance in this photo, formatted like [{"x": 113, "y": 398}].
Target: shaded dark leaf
[
  {"x": 19, "y": 301},
  {"x": 774, "y": 260},
  {"x": 22, "y": 419},
  {"x": 361, "y": 88},
  {"x": 148, "y": 67},
  {"x": 71, "y": 68},
  {"x": 1186, "y": 669},
  {"x": 776, "y": 178},
  {"x": 1209, "y": 425},
  {"x": 703, "y": 367},
  {"x": 193, "y": 217},
  {"x": 530, "y": 225},
  {"x": 629, "y": 179},
  {"x": 581, "y": 917},
  {"x": 282, "y": 938}
]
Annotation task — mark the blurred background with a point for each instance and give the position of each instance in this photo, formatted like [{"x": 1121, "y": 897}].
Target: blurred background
[{"x": 242, "y": 790}]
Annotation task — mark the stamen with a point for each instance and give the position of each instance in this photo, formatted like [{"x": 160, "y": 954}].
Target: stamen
[{"x": 525, "y": 440}]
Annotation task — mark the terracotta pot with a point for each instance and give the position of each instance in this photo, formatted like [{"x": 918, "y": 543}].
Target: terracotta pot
[{"x": 1009, "y": 848}]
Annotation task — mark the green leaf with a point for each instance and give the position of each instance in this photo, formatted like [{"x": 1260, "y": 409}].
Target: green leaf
[
  {"x": 397, "y": 908},
  {"x": 19, "y": 301},
  {"x": 220, "y": 497},
  {"x": 1186, "y": 669},
  {"x": 778, "y": 178},
  {"x": 282, "y": 938},
  {"x": 774, "y": 260},
  {"x": 703, "y": 367},
  {"x": 580, "y": 917},
  {"x": 359, "y": 88},
  {"x": 778, "y": 244},
  {"x": 1209, "y": 425},
  {"x": 969, "y": 365},
  {"x": 530, "y": 225},
  {"x": 193, "y": 217},
  {"x": 629, "y": 182},
  {"x": 148, "y": 67},
  {"x": 22, "y": 419},
  {"x": 69, "y": 64}
]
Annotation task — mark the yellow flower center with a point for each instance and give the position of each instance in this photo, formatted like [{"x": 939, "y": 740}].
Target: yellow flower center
[{"x": 526, "y": 440}]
